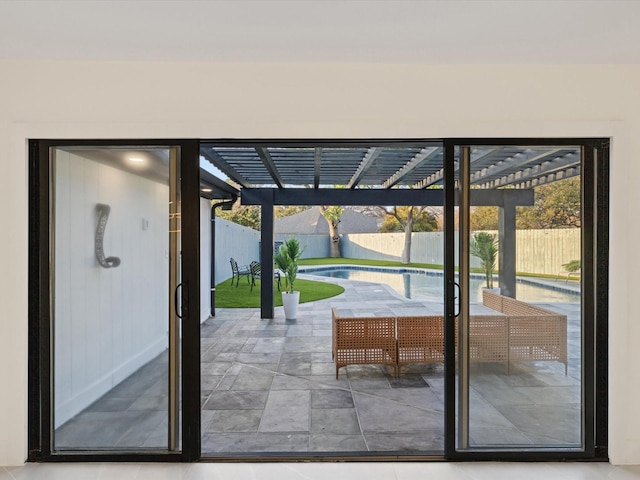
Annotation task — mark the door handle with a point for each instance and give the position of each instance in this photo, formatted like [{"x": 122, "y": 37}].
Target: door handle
[
  {"x": 175, "y": 301},
  {"x": 455, "y": 314}
]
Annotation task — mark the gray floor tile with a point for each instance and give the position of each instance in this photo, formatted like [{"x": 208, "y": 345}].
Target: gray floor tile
[
  {"x": 552, "y": 395},
  {"x": 258, "y": 358},
  {"x": 290, "y": 382},
  {"x": 151, "y": 402},
  {"x": 295, "y": 368},
  {"x": 407, "y": 380},
  {"x": 287, "y": 411},
  {"x": 113, "y": 404},
  {"x": 328, "y": 381},
  {"x": 255, "y": 442},
  {"x": 397, "y": 417},
  {"x": 230, "y": 400},
  {"x": 343, "y": 421},
  {"x": 251, "y": 379},
  {"x": 307, "y": 344},
  {"x": 300, "y": 331},
  {"x": 483, "y": 436},
  {"x": 295, "y": 357},
  {"x": 557, "y": 423},
  {"x": 268, "y": 345},
  {"x": 324, "y": 368},
  {"x": 331, "y": 399},
  {"x": 233, "y": 421},
  {"x": 405, "y": 442},
  {"x": 209, "y": 382},
  {"x": 336, "y": 443}
]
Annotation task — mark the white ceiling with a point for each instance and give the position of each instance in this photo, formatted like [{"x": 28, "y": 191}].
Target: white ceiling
[{"x": 391, "y": 31}]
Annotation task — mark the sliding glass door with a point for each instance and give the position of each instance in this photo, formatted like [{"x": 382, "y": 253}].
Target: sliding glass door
[
  {"x": 119, "y": 296},
  {"x": 115, "y": 327},
  {"x": 523, "y": 329}
]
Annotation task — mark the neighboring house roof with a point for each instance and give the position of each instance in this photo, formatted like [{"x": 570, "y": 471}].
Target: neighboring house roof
[{"x": 311, "y": 221}]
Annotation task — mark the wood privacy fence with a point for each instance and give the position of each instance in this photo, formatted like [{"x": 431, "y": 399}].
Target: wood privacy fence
[{"x": 537, "y": 251}]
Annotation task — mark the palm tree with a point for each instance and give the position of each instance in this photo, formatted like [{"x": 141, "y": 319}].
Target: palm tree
[
  {"x": 485, "y": 247},
  {"x": 287, "y": 260}
]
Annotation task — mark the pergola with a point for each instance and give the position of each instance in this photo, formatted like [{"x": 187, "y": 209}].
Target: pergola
[{"x": 269, "y": 173}]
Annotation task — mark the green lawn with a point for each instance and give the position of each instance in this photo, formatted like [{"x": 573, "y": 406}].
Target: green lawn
[{"x": 230, "y": 296}]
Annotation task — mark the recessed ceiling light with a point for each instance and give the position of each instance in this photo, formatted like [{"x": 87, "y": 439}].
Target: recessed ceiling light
[
  {"x": 207, "y": 190},
  {"x": 136, "y": 160}
]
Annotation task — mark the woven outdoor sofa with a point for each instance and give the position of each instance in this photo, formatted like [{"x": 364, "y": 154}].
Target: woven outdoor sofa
[
  {"x": 517, "y": 332},
  {"x": 364, "y": 341},
  {"x": 535, "y": 333}
]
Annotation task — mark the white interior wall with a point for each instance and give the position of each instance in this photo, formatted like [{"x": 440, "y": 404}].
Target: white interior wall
[
  {"x": 108, "y": 322},
  {"x": 252, "y": 100}
]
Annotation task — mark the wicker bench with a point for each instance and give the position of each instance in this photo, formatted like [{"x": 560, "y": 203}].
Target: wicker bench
[
  {"x": 518, "y": 332},
  {"x": 421, "y": 339},
  {"x": 535, "y": 334},
  {"x": 363, "y": 341},
  {"x": 398, "y": 341}
]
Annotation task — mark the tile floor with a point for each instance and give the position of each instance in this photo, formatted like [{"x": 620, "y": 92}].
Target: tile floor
[{"x": 269, "y": 386}]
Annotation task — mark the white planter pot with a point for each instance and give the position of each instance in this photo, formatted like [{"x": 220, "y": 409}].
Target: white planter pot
[{"x": 290, "y": 302}]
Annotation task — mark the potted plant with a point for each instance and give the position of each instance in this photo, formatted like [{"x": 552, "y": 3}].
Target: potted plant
[
  {"x": 485, "y": 247},
  {"x": 572, "y": 269},
  {"x": 286, "y": 258}
]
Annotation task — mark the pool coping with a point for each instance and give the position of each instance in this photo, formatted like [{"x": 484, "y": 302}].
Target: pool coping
[{"x": 549, "y": 284}]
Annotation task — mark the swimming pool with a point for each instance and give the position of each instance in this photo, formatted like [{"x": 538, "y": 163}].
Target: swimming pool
[{"x": 428, "y": 284}]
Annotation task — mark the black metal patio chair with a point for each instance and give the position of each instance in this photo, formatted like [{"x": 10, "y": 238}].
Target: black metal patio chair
[
  {"x": 238, "y": 271},
  {"x": 256, "y": 274}
]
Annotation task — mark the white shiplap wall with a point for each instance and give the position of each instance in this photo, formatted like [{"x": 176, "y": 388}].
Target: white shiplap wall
[{"x": 108, "y": 322}]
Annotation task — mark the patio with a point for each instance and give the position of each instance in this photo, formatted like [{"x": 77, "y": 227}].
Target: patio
[{"x": 269, "y": 386}]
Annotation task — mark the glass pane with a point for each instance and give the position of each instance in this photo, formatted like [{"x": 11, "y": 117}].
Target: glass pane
[
  {"x": 524, "y": 327},
  {"x": 282, "y": 386},
  {"x": 112, "y": 291}
]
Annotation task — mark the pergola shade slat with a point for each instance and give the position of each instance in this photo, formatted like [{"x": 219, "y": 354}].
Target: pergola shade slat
[{"x": 391, "y": 165}]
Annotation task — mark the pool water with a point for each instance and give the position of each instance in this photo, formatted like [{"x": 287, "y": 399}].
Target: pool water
[{"x": 430, "y": 286}]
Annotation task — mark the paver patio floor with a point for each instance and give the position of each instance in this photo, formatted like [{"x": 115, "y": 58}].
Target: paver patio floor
[
  {"x": 268, "y": 386},
  {"x": 271, "y": 387}
]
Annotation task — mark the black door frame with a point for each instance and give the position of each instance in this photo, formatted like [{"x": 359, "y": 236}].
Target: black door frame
[
  {"x": 595, "y": 180},
  {"x": 40, "y": 315}
]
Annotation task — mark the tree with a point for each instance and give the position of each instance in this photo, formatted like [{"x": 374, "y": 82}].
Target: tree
[
  {"x": 246, "y": 215},
  {"x": 332, "y": 215},
  {"x": 556, "y": 205},
  {"x": 484, "y": 218},
  {"x": 408, "y": 219},
  {"x": 288, "y": 210}
]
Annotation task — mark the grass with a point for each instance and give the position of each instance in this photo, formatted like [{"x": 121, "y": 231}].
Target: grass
[{"x": 230, "y": 296}]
